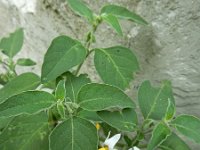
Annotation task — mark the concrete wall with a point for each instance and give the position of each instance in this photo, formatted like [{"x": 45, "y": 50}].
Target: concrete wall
[{"x": 167, "y": 49}]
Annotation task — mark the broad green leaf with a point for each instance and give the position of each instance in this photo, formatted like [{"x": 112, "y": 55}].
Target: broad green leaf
[
  {"x": 125, "y": 120},
  {"x": 11, "y": 45},
  {"x": 63, "y": 54},
  {"x": 25, "y": 62},
  {"x": 4, "y": 122},
  {"x": 74, "y": 134},
  {"x": 26, "y": 103},
  {"x": 26, "y": 132},
  {"x": 97, "y": 97},
  {"x": 153, "y": 101},
  {"x": 73, "y": 86},
  {"x": 113, "y": 22},
  {"x": 160, "y": 133},
  {"x": 60, "y": 90},
  {"x": 81, "y": 9},
  {"x": 188, "y": 126},
  {"x": 116, "y": 65},
  {"x": 173, "y": 142},
  {"x": 89, "y": 115},
  {"x": 23, "y": 82},
  {"x": 123, "y": 13}
]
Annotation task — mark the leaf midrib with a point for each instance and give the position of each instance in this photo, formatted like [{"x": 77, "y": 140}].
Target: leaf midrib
[
  {"x": 155, "y": 101},
  {"x": 114, "y": 64},
  {"x": 58, "y": 62}
]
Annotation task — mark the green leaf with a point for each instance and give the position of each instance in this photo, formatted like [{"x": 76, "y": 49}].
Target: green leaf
[
  {"x": 63, "y": 54},
  {"x": 125, "y": 120},
  {"x": 171, "y": 111},
  {"x": 74, "y": 134},
  {"x": 188, "y": 126},
  {"x": 116, "y": 65},
  {"x": 97, "y": 97},
  {"x": 11, "y": 45},
  {"x": 26, "y": 132},
  {"x": 4, "y": 122},
  {"x": 123, "y": 13},
  {"x": 25, "y": 62},
  {"x": 160, "y": 133},
  {"x": 113, "y": 22},
  {"x": 26, "y": 103},
  {"x": 89, "y": 115},
  {"x": 153, "y": 101},
  {"x": 173, "y": 142},
  {"x": 73, "y": 86},
  {"x": 81, "y": 9},
  {"x": 23, "y": 82},
  {"x": 60, "y": 91}
]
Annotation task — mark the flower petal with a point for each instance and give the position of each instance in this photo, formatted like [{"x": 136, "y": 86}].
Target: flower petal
[{"x": 111, "y": 142}]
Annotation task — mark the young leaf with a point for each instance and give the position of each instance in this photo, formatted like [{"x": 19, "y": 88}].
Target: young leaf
[
  {"x": 188, "y": 126},
  {"x": 173, "y": 142},
  {"x": 123, "y": 13},
  {"x": 113, "y": 22},
  {"x": 73, "y": 86},
  {"x": 11, "y": 45},
  {"x": 60, "y": 91},
  {"x": 97, "y": 97},
  {"x": 25, "y": 62},
  {"x": 171, "y": 110},
  {"x": 125, "y": 120},
  {"x": 81, "y": 9},
  {"x": 26, "y": 103},
  {"x": 26, "y": 132},
  {"x": 63, "y": 54},
  {"x": 160, "y": 133},
  {"x": 23, "y": 82},
  {"x": 74, "y": 134},
  {"x": 153, "y": 102},
  {"x": 116, "y": 65}
]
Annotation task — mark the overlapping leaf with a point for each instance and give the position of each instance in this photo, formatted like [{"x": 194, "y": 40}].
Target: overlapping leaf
[
  {"x": 116, "y": 65},
  {"x": 63, "y": 54},
  {"x": 125, "y": 120},
  {"x": 23, "y": 82},
  {"x": 26, "y": 132},
  {"x": 26, "y": 103},
  {"x": 173, "y": 142},
  {"x": 12, "y": 45},
  {"x": 188, "y": 126},
  {"x": 97, "y": 97},
  {"x": 160, "y": 133},
  {"x": 123, "y": 13},
  {"x": 153, "y": 102},
  {"x": 74, "y": 134},
  {"x": 113, "y": 22},
  {"x": 73, "y": 86}
]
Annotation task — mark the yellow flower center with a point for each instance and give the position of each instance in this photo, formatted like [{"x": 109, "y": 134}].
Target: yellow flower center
[{"x": 104, "y": 148}]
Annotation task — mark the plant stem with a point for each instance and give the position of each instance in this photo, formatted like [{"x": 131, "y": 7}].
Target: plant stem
[{"x": 88, "y": 42}]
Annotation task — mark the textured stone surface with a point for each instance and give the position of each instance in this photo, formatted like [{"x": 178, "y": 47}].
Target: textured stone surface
[{"x": 167, "y": 49}]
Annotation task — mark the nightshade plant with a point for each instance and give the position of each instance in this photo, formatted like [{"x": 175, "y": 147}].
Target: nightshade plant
[{"x": 69, "y": 118}]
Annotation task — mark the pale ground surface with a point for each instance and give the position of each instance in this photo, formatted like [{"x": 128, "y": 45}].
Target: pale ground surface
[{"x": 167, "y": 49}]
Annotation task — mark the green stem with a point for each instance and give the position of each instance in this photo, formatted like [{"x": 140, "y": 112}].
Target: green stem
[{"x": 88, "y": 42}]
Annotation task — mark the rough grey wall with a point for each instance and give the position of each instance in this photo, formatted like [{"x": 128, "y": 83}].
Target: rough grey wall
[{"x": 167, "y": 49}]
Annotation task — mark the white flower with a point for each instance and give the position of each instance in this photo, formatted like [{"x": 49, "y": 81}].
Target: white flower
[
  {"x": 110, "y": 143},
  {"x": 134, "y": 148}
]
